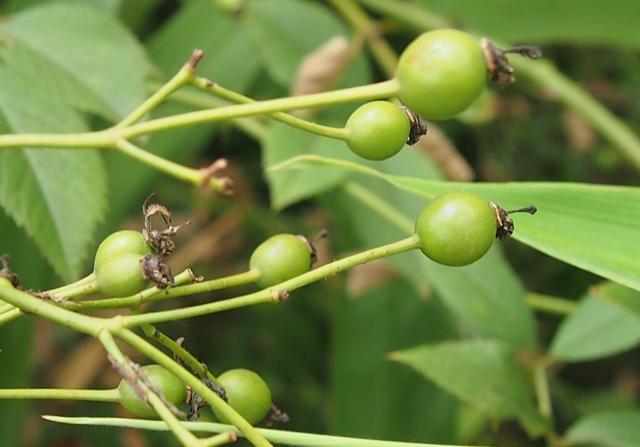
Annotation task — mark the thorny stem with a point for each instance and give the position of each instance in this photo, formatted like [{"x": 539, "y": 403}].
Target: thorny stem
[
  {"x": 180, "y": 432},
  {"x": 211, "y": 397},
  {"x": 61, "y": 393},
  {"x": 206, "y": 85},
  {"x": 277, "y": 292}
]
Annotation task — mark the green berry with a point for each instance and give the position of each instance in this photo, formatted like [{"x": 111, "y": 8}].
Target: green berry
[
  {"x": 121, "y": 275},
  {"x": 248, "y": 394},
  {"x": 456, "y": 228},
  {"x": 125, "y": 241},
  {"x": 4, "y": 282},
  {"x": 172, "y": 389},
  {"x": 281, "y": 257},
  {"x": 377, "y": 130},
  {"x": 441, "y": 73}
]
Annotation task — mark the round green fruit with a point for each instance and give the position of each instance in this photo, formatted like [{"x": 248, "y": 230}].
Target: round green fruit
[
  {"x": 121, "y": 275},
  {"x": 377, "y": 130},
  {"x": 279, "y": 258},
  {"x": 456, "y": 228},
  {"x": 120, "y": 242},
  {"x": 172, "y": 389},
  {"x": 441, "y": 73},
  {"x": 247, "y": 393}
]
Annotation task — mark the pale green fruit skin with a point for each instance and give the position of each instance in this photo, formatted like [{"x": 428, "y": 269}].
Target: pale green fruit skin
[
  {"x": 377, "y": 130},
  {"x": 456, "y": 228},
  {"x": 279, "y": 258},
  {"x": 121, "y": 276},
  {"x": 441, "y": 73},
  {"x": 125, "y": 241},
  {"x": 248, "y": 394},
  {"x": 171, "y": 387}
]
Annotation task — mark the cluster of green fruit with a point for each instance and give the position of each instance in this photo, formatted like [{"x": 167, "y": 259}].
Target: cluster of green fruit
[
  {"x": 439, "y": 75},
  {"x": 246, "y": 392}
]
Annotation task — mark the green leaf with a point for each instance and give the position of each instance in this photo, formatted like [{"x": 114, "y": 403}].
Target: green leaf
[
  {"x": 88, "y": 45},
  {"x": 58, "y": 196},
  {"x": 281, "y": 32},
  {"x": 390, "y": 316},
  {"x": 521, "y": 21},
  {"x": 600, "y": 327},
  {"x": 610, "y": 429},
  {"x": 592, "y": 227},
  {"x": 484, "y": 373}
]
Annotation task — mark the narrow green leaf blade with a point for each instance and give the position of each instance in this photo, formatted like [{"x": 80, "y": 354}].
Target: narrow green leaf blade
[
  {"x": 600, "y": 327},
  {"x": 610, "y": 429},
  {"x": 483, "y": 373}
]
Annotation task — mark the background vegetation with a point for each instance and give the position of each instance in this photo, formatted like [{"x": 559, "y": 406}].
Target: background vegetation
[{"x": 72, "y": 66}]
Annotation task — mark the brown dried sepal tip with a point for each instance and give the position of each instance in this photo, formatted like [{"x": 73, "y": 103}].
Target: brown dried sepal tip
[
  {"x": 276, "y": 416},
  {"x": 501, "y": 72},
  {"x": 504, "y": 223},
  {"x": 417, "y": 129},
  {"x": 224, "y": 185},
  {"x": 196, "y": 402},
  {"x": 6, "y": 272},
  {"x": 154, "y": 269},
  {"x": 196, "y": 57},
  {"x": 313, "y": 252},
  {"x": 160, "y": 241}
]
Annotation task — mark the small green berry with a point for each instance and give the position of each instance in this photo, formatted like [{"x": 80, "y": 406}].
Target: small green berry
[
  {"x": 456, "y": 228},
  {"x": 121, "y": 275},
  {"x": 125, "y": 241},
  {"x": 441, "y": 73},
  {"x": 377, "y": 130},
  {"x": 172, "y": 389},
  {"x": 281, "y": 257},
  {"x": 248, "y": 394}
]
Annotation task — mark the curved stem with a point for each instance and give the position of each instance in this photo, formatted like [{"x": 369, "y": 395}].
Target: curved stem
[
  {"x": 339, "y": 133},
  {"x": 10, "y": 315},
  {"x": 155, "y": 294},
  {"x": 61, "y": 394},
  {"x": 277, "y": 292},
  {"x": 551, "y": 304},
  {"x": 212, "y": 398},
  {"x": 91, "y": 277},
  {"x": 278, "y": 436},
  {"x": 363, "y": 93}
]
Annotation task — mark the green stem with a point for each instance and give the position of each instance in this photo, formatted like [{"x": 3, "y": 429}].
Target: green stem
[
  {"x": 360, "y": 21},
  {"x": 363, "y": 93},
  {"x": 180, "y": 79},
  {"x": 5, "y": 307},
  {"x": 189, "y": 359},
  {"x": 277, "y": 292},
  {"x": 221, "y": 439},
  {"x": 90, "y": 278},
  {"x": 212, "y": 398},
  {"x": 85, "y": 140},
  {"x": 339, "y": 133},
  {"x": 9, "y": 315},
  {"x": 30, "y": 304},
  {"x": 541, "y": 72},
  {"x": 183, "y": 434},
  {"x": 61, "y": 394},
  {"x": 191, "y": 97},
  {"x": 277, "y": 436},
  {"x": 551, "y": 304},
  {"x": 542, "y": 388},
  {"x": 154, "y": 294},
  {"x": 189, "y": 175}
]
